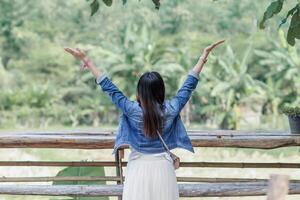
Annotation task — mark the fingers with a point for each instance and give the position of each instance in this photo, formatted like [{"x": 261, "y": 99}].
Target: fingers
[
  {"x": 212, "y": 46},
  {"x": 219, "y": 42},
  {"x": 70, "y": 50},
  {"x": 76, "y": 52},
  {"x": 83, "y": 66},
  {"x": 67, "y": 49},
  {"x": 79, "y": 51}
]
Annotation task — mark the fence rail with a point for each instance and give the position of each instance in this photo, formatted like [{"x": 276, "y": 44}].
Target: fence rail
[
  {"x": 105, "y": 140},
  {"x": 124, "y": 164},
  {"x": 185, "y": 190},
  {"x": 197, "y": 187}
]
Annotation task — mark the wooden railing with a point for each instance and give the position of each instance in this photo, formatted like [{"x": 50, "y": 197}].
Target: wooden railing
[{"x": 200, "y": 187}]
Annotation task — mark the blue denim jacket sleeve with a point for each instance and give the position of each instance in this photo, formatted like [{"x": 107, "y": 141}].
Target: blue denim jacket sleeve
[
  {"x": 117, "y": 97},
  {"x": 185, "y": 92}
]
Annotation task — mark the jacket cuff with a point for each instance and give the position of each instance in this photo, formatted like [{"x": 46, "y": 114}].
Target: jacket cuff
[
  {"x": 100, "y": 78},
  {"x": 194, "y": 74}
]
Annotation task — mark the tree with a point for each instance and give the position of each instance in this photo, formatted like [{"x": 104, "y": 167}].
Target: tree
[
  {"x": 95, "y": 4},
  {"x": 225, "y": 91},
  {"x": 280, "y": 83},
  {"x": 273, "y": 9},
  {"x": 11, "y": 18}
]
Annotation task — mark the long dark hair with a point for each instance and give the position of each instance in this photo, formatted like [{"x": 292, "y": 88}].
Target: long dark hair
[{"x": 151, "y": 95}]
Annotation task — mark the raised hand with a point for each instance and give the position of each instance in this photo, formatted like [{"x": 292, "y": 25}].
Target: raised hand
[
  {"x": 209, "y": 48},
  {"x": 77, "y": 53},
  {"x": 203, "y": 58},
  {"x": 86, "y": 62},
  {"x": 80, "y": 55}
]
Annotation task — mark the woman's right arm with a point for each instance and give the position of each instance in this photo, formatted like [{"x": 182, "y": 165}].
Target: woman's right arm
[
  {"x": 185, "y": 92},
  {"x": 107, "y": 86}
]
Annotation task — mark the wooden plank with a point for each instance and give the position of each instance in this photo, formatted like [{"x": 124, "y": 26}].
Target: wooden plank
[
  {"x": 223, "y": 180},
  {"x": 239, "y": 165},
  {"x": 59, "y": 163},
  {"x": 182, "y": 164},
  {"x": 58, "y": 178},
  {"x": 117, "y": 178},
  {"x": 185, "y": 190},
  {"x": 105, "y": 140},
  {"x": 190, "y": 132},
  {"x": 278, "y": 187},
  {"x": 57, "y": 141}
]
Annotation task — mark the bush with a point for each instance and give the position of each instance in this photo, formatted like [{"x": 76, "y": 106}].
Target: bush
[{"x": 291, "y": 110}]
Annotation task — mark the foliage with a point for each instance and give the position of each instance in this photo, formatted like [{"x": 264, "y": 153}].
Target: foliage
[
  {"x": 274, "y": 8},
  {"x": 41, "y": 86},
  {"x": 294, "y": 29},
  {"x": 229, "y": 88},
  {"x": 291, "y": 110},
  {"x": 281, "y": 83},
  {"x": 82, "y": 171},
  {"x": 138, "y": 50},
  {"x": 95, "y": 4}
]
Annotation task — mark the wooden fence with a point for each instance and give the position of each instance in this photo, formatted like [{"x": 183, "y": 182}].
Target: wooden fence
[{"x": 188, "y": 186}]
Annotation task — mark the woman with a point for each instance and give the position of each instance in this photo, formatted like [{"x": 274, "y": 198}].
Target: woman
[{"x": 150, "y": 173}]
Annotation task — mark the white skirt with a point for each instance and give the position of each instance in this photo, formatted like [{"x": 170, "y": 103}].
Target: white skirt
[{"x": 150, "y": 177}]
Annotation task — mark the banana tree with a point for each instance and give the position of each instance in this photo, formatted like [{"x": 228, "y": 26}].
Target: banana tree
[
  {"x": 226, "y": 87},
  {"x": 282, "y": 83},
  {"x": 138, "y": 49}
]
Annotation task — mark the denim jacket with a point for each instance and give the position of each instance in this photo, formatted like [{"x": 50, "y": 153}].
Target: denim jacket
[{"x": 130, "y": 129}]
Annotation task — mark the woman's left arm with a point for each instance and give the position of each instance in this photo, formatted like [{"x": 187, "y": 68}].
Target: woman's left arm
[
  {"x": 185, "y": 92},
  {"x": 107, "y": 86},
  {"x": 117, "y": 97}
]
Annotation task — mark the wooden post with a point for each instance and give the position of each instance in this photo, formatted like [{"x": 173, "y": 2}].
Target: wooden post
[
  {"x": 278, "y": 187},
  {"x": 119, "y": 169}
]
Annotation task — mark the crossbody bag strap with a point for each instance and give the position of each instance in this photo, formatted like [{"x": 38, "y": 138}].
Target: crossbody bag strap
[{"x": 163, "y": 142}]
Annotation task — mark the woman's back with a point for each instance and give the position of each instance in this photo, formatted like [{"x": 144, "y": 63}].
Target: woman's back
[{"x": 131, "y": 123}]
